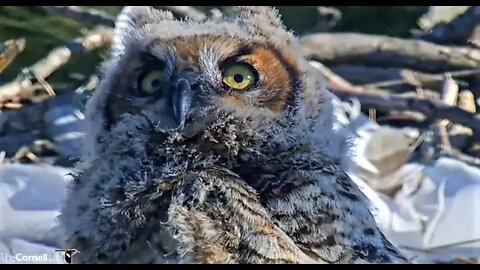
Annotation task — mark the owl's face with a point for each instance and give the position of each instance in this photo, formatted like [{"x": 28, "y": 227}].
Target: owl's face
[
  {"x": 182, "y": 83},
  {"x": 237, "y": 78}
]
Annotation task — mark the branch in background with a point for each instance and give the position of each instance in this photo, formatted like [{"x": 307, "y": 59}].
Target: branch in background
[
  {"x": 392, "y": 77},
  {"x": 360, "y": 74},
  {"x": 82, "y": 14},
  {"x": 23, "y": 86},
  {"x": 456, "y": 31},
  {"x": 449, "y": 92},
  {"x": 329, "y": 17},
  {"x": 338, "y": 82},
  {"x": 10, "y": 144},
  {"x": 21, "y": 127},
  {"x": 431, "y": 81},
  {"x": 460, "y": 135},
  {"x": 333, "y": 79},
  {"x": 431, "y": 108},
  {"x": 383, "y": 51},
  {"x": 185, "y": 12},
  {"x": 9, "y": 51},
  {"x": 456, "y": 154}
]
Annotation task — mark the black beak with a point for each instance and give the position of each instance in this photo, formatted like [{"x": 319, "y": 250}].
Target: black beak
[{"x": 181, "y": 102}]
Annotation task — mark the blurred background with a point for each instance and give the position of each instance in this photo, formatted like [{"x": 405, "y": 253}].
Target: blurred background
[
  {"x": 47, "y": 30},
  {"x": 406, "y": 81}
]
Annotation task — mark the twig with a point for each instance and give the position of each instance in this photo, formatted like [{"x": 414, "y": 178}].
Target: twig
[
  {"x": 10, "y": 144},
  {"x": 45, "y": 85},
  {"x": 23, "y": 86},
  {"x": 333, "y": 79},
  {"x": 331, "y": 14},
  {"x": 467, "y": 260},
  {"x": 185, "y": 12},
  {"x": 456, "y": 154},
  {"x": 433, "y": 109},
  {"x": 460, "y": 134},
  {"x": 404, "y": 116},
  {"x": 430, "y": 108},
  {"x": 466, "y": 101},
  {"x": 82, "y": 14},
  {"x": 383, "y": 51},
  {"x": 25, "y": 153},
  {"x": 449, "y": 97},
  {"x": 369, "y": 75},
  {"x": 474, "y": 43},
  {"x": 329, "y": 17},
  {"x": 390, "y": 77},
  {"x": 337, "y": 82},
  {"x": 9, "y": 51},
  {"x": 11, "y": 105},
  {"x": 456, "y": 31},
  {"x": 449, "y": 90}
]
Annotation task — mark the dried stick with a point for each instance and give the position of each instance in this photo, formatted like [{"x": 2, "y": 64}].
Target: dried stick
[
  {"x": 333, "y": 79},
  {"x": 383, "y": 51},
  {"x": 368, "y": 76},
  {"x": 456, "y": 154},
  {"x": 449, "y": 97},
  {"x": 430, "y": 108},
  {"x": 457, "y": 31},
  {"x": 9, "y": 51},
  {"x": 433, "y": 109},
  {"x": 363, "y": 75},
  {"x": 328, "y": 18},
  {"x": 459, "y": 133},
  {"x": 23, "y": 86},
  {"x": 331, "y": 14},
  {"x": 82, "y": 14}
]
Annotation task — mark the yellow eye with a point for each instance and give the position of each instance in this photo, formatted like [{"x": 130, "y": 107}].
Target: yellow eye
[
  {"x": 239, "y": 77},
  {"x": 152, "y": 81}
]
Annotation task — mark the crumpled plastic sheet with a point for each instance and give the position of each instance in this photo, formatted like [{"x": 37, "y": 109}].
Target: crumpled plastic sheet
[
  {"x": 435, "y": 217},
  {"x": 30, "y": 201}
]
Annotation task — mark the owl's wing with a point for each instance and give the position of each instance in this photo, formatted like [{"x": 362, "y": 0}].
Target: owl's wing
[
  {"x": 217, "y": 218},
  {"x": 323, "y": 211}
]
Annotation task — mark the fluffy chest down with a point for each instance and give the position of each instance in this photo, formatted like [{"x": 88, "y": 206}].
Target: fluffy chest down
[{"x": 157, "y": 201}]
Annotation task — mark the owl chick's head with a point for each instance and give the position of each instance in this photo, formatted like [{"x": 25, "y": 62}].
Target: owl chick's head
[{"x": 243, "y": 76}]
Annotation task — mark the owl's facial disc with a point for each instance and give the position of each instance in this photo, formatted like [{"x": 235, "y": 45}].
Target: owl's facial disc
[{"x": 186, "y": 83}]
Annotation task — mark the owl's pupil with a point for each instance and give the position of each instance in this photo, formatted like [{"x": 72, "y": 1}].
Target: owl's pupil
[
  {"x": 238, "y": 78},
  {"x": 155, "y": 83}
]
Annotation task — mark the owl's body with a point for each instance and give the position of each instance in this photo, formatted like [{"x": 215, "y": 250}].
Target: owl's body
[{"x": 214, "y": 142}]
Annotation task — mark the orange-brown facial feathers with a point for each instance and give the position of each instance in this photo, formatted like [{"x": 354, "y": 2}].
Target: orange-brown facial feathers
[
  {"x": 273, "y": 72},
  {"x": 277, "y": 71},
  {"x": 276, "y": 76}
]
